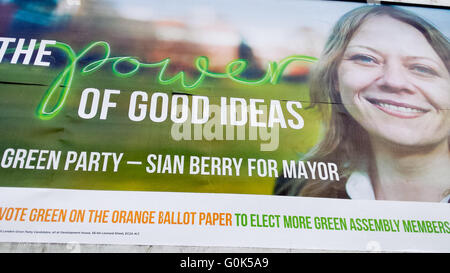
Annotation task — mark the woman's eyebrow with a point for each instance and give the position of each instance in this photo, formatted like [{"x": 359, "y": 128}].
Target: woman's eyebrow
[
  {"x": 365, "y": 47},
  {"x": 419, "y": 58}
]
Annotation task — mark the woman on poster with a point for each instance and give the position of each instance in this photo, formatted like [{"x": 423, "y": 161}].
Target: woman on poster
[{"x": 383, "y": 81}]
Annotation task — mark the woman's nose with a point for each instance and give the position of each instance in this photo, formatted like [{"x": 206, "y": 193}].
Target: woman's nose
[{"x": 395, "y": 78}]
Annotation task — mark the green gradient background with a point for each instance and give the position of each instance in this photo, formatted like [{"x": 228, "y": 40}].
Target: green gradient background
[{"x": 20, "y": 128}]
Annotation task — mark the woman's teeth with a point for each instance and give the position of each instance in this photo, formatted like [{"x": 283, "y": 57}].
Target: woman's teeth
[{"x": 399, "y": 108}]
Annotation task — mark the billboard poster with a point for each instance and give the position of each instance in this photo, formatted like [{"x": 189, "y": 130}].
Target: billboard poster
[{"x": 278, "y": 124}]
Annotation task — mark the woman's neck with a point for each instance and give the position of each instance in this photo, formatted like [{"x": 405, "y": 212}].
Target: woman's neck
[{"x": 402, "y": 173}]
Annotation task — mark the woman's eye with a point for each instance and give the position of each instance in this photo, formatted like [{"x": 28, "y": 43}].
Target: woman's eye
[
  {"x": 364, "y": 59},
  {"x": 422, "y": 69}
]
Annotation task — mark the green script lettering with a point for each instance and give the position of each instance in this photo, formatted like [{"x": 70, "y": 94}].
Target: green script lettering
[{"x": 65, "y": 78}]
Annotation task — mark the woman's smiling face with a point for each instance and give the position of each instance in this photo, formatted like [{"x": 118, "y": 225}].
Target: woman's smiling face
[{"x": 394, "y": 84}]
